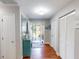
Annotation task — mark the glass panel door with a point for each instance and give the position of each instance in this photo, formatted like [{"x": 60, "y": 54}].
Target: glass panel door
[{"x": 36, "y": 34}]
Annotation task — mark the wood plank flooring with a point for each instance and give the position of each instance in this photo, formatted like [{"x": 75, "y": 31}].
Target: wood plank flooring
[{"x": 45, "y": 52}]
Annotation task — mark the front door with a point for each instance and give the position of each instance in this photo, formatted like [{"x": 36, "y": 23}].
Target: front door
[{"x": 37, "y": 35}]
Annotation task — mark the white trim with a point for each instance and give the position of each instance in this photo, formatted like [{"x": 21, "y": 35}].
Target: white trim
[
  {"x": 20, "y": 38},
  {"x": 55, "y": 51},
  {"x": 70, "y": 12},
  {"x": 51, "y": 45},
  {"x": 57, "y": 54},
  {"x": 9, "y": 4},
  {"x": 46, "y": 43},
  {"x": 21, "y": 57}
]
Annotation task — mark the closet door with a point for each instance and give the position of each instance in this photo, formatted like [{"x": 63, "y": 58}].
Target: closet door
[
  {"x": 0, "y": 34},
  {"x": 9, "y": 49},
  {"x": 71, "y": 24},
  {"x": 67, "y": 36},
  {"x": 62, "y": 34}
]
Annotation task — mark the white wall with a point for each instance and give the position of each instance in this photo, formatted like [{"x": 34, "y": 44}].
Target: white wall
[
  {"x": 47, "y": 32},
  {"x": 54, "y": 34},
  {"x": 72, "y": 46},
  {"x": 24, "y": 21},
  {"x": 13, "y": 9},
  {"x": 47, "y": 36}
]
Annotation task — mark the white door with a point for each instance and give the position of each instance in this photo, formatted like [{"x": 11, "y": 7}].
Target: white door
[
  {"x": 67, "y": 36},
  {"x": 0, "y": 34},
  {"x": 8, "y": 48},
  {"x": 70, "y": 36},
  {"x": 76, "y": 43},
  {"x": 76, "y": 53},
  {"x": 62, "y": 38}
]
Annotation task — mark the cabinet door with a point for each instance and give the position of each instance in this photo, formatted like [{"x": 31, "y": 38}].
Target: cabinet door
[{"x": 9, "y": 49}]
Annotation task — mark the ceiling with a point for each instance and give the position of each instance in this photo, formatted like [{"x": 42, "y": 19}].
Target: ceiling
[
  {"x": 28, "y": 6},
  {"x": 8, "y": 1}
]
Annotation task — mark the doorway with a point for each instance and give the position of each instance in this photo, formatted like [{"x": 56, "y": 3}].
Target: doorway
[{"x": 37, "y": 34}]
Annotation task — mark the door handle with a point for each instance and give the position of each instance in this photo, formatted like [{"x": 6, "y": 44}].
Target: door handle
[
  {"x": 2, "y": 20},
  {"x": 12, "y": 41},
  {"x": 2, "y": 38},
  {"x": 3, "y": 57}
]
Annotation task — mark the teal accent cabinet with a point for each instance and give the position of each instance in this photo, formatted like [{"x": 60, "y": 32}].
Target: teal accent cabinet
[{"x": 26, "y": 48}]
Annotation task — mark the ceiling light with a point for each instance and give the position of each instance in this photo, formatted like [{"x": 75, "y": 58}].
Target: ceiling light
[{"x": 41, "y": 10}]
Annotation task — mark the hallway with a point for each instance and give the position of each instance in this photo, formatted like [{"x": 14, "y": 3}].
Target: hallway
[
  {"x": 39, "y": 29},
  {"x": 46, "y": 52}
]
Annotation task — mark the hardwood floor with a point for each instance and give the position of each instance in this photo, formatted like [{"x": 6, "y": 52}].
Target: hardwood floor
[{"x": 46, "y": 52}]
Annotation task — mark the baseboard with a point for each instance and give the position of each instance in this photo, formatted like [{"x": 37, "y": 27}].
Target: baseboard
[
  {"x": 51, "y": 45},
  {"x": 47, "y": 43},
  {"x": 56, "y": 53},
  {"x": 22, "y": 57}
]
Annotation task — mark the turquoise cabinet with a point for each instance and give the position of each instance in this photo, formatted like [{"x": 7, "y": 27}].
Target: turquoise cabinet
[{"x": 26, "y": 48}]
